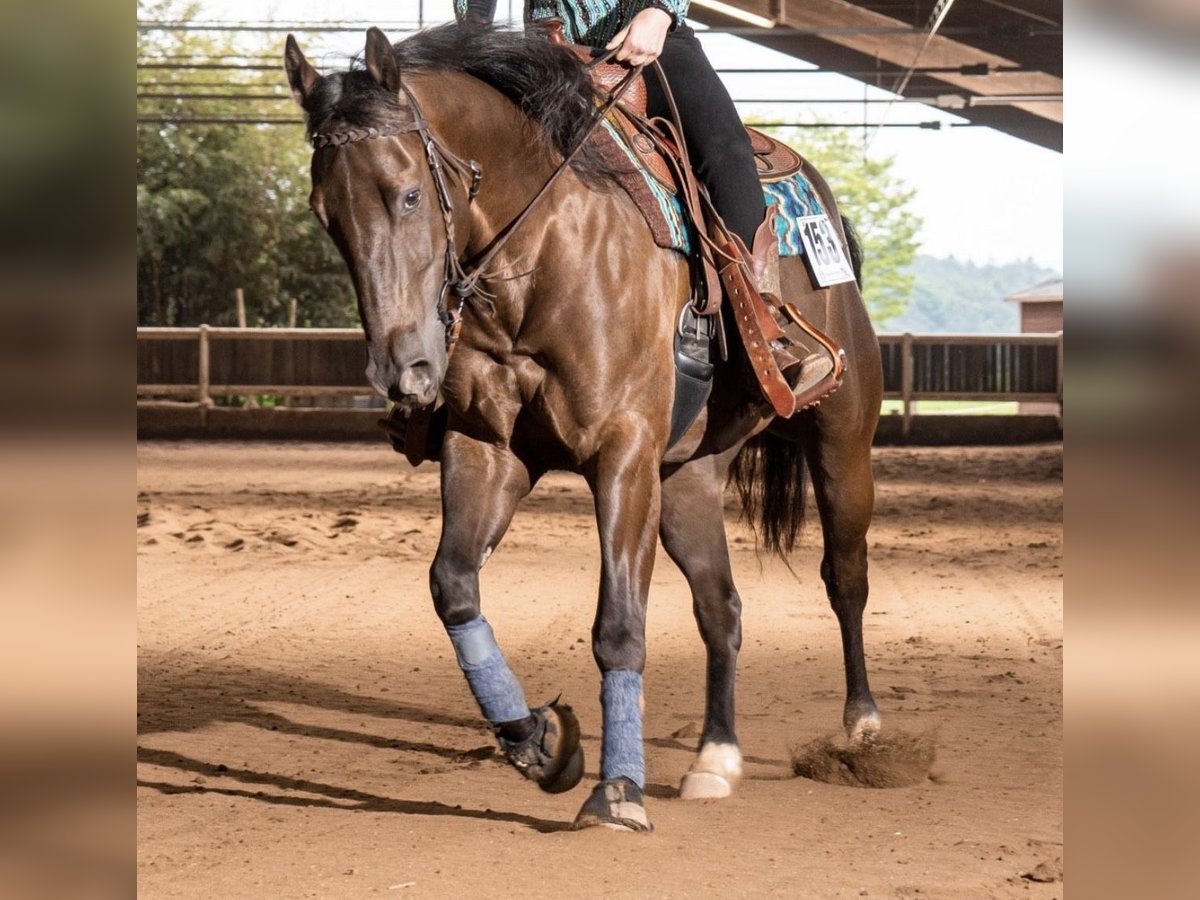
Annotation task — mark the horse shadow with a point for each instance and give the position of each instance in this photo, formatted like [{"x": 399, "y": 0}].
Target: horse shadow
[{"x": 179, "y": 697}]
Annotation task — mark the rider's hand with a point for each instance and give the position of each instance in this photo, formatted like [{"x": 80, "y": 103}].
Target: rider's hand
[{"x": 641, "y": 41}]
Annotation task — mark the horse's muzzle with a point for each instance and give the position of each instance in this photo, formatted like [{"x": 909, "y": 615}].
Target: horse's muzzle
[{"x": 416, "y": 386}]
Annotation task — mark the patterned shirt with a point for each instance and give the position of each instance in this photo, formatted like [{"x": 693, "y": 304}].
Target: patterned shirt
[{"x": 589, "y": 22}]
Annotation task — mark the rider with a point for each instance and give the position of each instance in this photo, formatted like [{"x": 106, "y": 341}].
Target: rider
[{"x": 642, "y": 31}]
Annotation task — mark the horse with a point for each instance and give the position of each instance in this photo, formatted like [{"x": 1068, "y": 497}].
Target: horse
[{"x": 563, "y": 360}]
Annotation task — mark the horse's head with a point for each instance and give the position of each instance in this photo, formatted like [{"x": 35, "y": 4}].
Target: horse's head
[{"x": 374, "y": 193}]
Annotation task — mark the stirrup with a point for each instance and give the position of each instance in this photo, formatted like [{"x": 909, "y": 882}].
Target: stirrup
[
  {"x": 819, "y": 372},
  {"x": 812, "y": 365}
]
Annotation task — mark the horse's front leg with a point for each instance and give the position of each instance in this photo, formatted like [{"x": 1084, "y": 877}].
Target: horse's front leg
[
  {"x": 481, "y": 487},
  {"x": 625, "y": 481}
]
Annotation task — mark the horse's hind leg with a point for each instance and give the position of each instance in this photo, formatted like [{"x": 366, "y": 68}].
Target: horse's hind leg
[
  {"x": 693, "y": 534},
  {"x": 481, "y": 487},
  {"x": 839, "y": 459}
]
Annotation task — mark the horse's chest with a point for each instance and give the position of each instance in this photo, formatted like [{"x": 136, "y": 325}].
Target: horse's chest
[{"x": 508, "y": 398}]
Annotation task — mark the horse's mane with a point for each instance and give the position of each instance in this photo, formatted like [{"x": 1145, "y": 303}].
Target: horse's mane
[{"x": 547, "y": 82}]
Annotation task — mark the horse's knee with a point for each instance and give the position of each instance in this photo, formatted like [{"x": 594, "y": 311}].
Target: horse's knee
[
  {"x": 619, "y": 645},
  {"x": 454, "y": 584}
]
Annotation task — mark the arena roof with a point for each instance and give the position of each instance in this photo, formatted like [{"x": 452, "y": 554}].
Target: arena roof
[{"x": 993, "y": 62}]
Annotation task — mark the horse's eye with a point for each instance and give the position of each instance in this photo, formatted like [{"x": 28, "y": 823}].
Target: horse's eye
[{"x": 412, "y": 199}]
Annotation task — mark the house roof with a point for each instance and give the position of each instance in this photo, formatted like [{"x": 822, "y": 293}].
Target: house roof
[{"x": 1048, "y": 291}]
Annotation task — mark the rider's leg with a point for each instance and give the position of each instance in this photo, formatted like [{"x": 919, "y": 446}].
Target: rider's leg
[
  {"x": 717, "y": 142},
  {"x": 723, "y": 161}
]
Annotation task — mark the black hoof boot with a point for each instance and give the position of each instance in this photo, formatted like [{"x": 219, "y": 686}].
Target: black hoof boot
[
  {"x": 615, "y": 804},
  {"x": 552, "y": 756}
]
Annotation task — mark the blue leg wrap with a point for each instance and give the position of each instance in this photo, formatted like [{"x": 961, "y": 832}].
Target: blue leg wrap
[
  {"x": 622, "y": 753},
  {"x": 496, "y": 689}
]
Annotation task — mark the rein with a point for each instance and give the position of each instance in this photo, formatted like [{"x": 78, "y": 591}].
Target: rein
[{"x": 459, "y": 278}]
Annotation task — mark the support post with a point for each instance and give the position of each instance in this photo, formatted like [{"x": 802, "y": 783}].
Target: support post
[{"x": 906, "y": 383}]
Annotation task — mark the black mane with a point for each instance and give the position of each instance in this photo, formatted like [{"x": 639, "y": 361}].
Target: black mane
[{"x": 547, "y": 82}]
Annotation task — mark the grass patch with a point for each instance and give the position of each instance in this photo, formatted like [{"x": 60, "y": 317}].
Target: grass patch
[{"x": 952, "y": 407}]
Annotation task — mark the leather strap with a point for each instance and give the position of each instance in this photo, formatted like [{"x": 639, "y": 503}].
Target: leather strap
[
  {"x": 757, "y": 329},
  {"x": 708, "y": 269},
  {"x": 476, "y": 268},
  {"x": 667, "y": 140}
]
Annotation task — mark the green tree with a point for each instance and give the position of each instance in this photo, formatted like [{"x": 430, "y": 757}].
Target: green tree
[
  {"x": 871, "y": 196},
  {"x": 962, "y": 296},
  {"x": 224, "y": 205}
]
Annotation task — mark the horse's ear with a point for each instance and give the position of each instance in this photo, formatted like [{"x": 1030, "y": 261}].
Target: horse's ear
[
  {"x": 381, "y": 60},
  {"x": 301, "y": 75}
]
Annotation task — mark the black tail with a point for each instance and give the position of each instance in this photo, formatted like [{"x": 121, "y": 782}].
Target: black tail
[
  {"x": 769, "y": 475},
  {"x": 769, "y": 472},
  {"x": 855, "y": 244}
]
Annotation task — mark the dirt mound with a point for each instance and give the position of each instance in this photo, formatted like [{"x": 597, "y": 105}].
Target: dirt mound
[{"x": 892, "y": 760}]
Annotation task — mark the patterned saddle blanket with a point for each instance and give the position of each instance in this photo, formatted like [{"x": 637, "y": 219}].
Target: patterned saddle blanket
[{"x": 644, "y": 177}]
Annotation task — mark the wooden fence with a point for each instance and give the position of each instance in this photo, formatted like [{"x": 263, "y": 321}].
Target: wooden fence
[{"x": 192, "y": 366}]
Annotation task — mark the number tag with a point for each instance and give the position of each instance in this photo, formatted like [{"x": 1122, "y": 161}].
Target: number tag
[{"x": 823, "y": 249}]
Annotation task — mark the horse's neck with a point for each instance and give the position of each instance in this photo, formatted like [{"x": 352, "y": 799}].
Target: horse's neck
[{"x": 476, "y": 122}]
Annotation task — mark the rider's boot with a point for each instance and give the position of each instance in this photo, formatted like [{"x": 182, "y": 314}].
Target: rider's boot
[{"x": 811, "y": 363}]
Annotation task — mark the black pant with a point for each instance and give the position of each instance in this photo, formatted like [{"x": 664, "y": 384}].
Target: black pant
[{"x": 716, "y": 140}]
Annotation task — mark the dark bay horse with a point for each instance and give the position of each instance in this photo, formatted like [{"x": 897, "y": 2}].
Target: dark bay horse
[{"x": 564, "y": 362}]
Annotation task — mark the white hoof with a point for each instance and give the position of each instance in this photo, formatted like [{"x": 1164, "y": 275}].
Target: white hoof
[
  {"x": 714, "y": 774},
  {"x": 865, "y": 730},
  {"x": 704, "y": 786}
]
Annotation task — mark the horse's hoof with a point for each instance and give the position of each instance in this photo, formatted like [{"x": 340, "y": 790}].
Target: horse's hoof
[
  {"x": 616, "y": 804},
  {"x": 714, "y": 774},
  {"x": 864, "y": 730},
  {"x": 552, "y": 756}
]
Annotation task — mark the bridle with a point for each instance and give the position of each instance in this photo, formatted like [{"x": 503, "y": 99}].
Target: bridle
[
  {"x": 440, "y": 159},
  {"x": 461, "y": 278}
]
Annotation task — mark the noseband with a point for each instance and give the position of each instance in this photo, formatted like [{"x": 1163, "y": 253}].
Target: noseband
[{"x": 460, "y": 282}]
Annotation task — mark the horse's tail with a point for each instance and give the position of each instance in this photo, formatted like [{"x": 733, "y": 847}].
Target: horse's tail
[
  {"x": 856, "y": 254},
  {"x": 769, "y": 476},
  {"x": 769, "y": 471}
]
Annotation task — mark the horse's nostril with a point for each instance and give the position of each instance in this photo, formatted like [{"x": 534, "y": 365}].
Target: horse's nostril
[{"x": 415, "y": 379}]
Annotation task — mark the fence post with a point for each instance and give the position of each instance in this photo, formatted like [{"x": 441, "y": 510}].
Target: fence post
[
  {"x": 1059, "y": 376},
  {"x": 202, "y": 374},
  {"x": 906, "y": 382}
]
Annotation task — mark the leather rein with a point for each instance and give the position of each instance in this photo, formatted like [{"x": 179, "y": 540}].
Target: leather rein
[{"x": 461, "y": 279}]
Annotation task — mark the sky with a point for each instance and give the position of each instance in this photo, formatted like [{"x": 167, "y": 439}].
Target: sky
[{"x": 983, "y": 196}]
